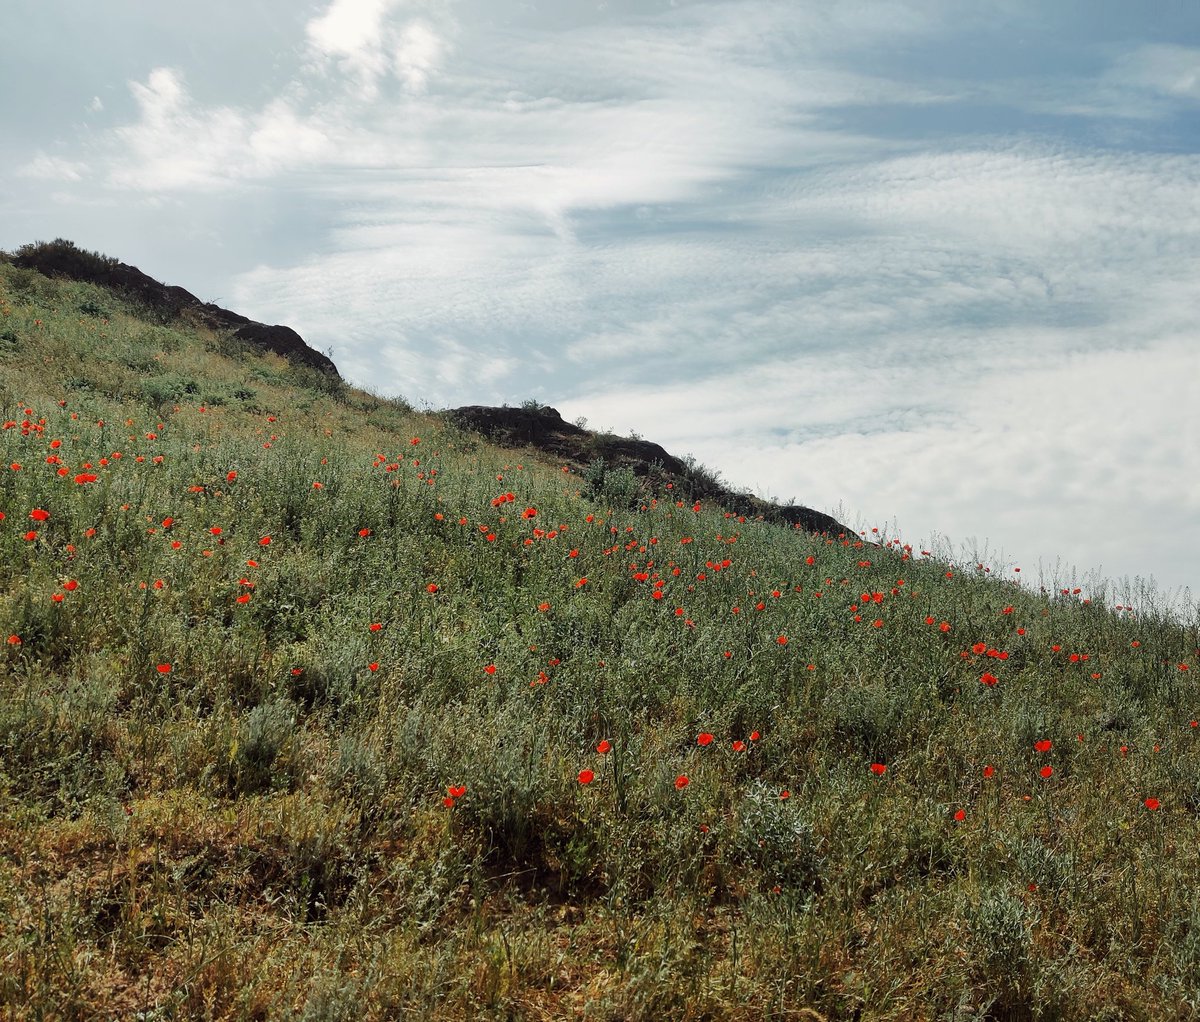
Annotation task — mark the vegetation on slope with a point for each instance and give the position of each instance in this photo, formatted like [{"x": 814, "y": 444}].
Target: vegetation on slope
[{"x": 316, "y": 707}]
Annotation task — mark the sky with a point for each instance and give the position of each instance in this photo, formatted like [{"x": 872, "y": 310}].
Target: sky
[{"x": 931, "y": 266}]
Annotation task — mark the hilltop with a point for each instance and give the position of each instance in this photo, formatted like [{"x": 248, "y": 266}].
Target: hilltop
[
  {"x": 541, "y": 428},
  {"x": 316, "y": 706}
]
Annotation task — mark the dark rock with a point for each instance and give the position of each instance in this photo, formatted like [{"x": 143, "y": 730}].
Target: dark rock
[{"x": 544, "y": 429}]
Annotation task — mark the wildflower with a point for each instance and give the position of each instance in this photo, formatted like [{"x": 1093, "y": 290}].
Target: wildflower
[
  {"x": 586, "y": 776},
  {"x": 878, "y": 769},
  {"x": 14, "y": 640},
  {"x": 1152, "y": 804},
  {"x": 373, "y": 666},
  {"x": 164, "y": 668},
  {"x": 738, "y": 746},
  {"x": 960, "y": 815},
  {"x": 754, "y": 736},
  {"x": 364, "y": 533},
  {"x": 979, "y": 648},
  {"x": 704, "y": 738},
  {"x": 1043, "y": 745},
  {"x": 681, "y": 782},
  {"x": 38, "y": 515},
  {"x": 989, "y": 679},
  {"x": 375, "y": 626},
  {"x": 782, "y": 640},
  {"x": 1046, "y": 771},
  {"x": 244, "y": 598},
  {"x": 989, "y": 770},
  {"x": 604, "y": 746},
  {"x": 230, "y": 476},
  {"x": 785, "y": 794},
  {"x": 490, "y": 669}
]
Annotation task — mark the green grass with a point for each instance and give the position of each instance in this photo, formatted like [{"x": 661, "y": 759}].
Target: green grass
[{"x": 213, "y": 807}]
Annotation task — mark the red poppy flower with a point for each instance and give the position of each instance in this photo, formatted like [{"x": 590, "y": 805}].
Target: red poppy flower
[
  {"x": 490, "y": 669},
  {"x": 988, "y": 770},
  {"x": 604, "y": 746},
  {"x": 373, "y": 667},
  {"x": 375, "y": 626},
  {"x": 457, "y": 791},
  {"x": 431, "y": 588},
  {"x": 1046, "y": 771},
  {"x": 785, "y": 794},
  {"x": 38, "y": 515},
  {"x": 1152, "y": 803},
  {"x": 878, "y": 769},
  {"x": 989, "y": 679},
  {"x": 586, "y": 776},
  {"x": 681, "y": 782},
  {"x": 704, "y": 738},
  {"x": 164, "y": 668},
  {"x": 754, "y": 736},
  {"x": 738, "y": 746},
  {"x": 1043, "y": 745}
]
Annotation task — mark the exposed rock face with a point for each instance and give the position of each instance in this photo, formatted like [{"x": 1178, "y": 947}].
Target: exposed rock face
[
  {"x": 544, "y": 429},
  {"x": 62, "y": 258}
]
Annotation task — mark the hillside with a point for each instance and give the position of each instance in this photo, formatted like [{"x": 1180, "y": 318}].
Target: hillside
[{"x": 314, "y": 706}]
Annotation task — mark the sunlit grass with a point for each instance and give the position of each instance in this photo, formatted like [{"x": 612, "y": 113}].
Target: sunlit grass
[{"x": 298, "y": 706}]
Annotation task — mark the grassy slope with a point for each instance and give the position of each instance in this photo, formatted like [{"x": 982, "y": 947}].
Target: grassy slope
[{"x": 224, "y": 808}]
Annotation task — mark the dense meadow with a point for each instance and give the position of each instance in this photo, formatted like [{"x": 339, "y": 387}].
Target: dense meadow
[{"x": 313, "y": 706}]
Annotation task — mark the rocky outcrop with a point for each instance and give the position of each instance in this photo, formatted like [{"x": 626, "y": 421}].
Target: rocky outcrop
[
  {"x": 545, "y": 430},
  {"x": 62, "y": 258}
]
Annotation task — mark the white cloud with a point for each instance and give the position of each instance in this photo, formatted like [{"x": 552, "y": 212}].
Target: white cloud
[
  {"x": 418, "y": 54},
  {"x": 44, "y": 167},
  {"x": 357, "y": 36},
  {"x": 162, "y": 95},
  {"x": 178, "y": 144},
  {"x": 1169, "y": 70}
]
